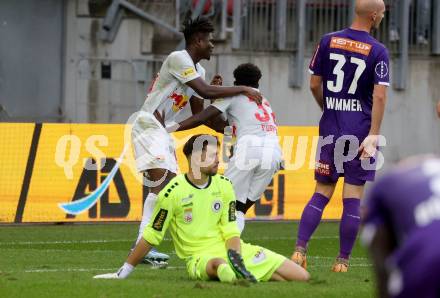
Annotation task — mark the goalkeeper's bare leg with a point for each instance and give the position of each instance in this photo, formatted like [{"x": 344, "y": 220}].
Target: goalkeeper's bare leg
[{"x": 290, "y": 271}]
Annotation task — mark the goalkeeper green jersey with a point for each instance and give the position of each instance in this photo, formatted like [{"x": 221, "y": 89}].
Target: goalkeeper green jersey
[{"x": 200, "y": 220}]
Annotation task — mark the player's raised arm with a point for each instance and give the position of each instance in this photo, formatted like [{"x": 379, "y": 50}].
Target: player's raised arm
[
  {"x": 197, "y": 103},
  {"x": 182, "y": 68},
  {"x": 196, "y": 120},
  {"x": 213, "y": 92},
  {"x": 217, "y": 123}
]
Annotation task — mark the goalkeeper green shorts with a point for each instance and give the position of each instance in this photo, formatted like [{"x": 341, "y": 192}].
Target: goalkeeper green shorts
[{"x": 261, "y": 262}]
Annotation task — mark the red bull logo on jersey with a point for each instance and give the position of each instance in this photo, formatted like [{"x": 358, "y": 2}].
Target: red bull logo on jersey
[
  {"x": 179, "y": 101},
  {"x": 350, "y": 45}
]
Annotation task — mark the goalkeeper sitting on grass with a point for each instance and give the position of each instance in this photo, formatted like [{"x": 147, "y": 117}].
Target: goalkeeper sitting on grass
[{"x": 199, "y": 209}]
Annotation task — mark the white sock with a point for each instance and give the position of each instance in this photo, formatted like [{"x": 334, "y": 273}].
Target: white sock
[
  {"x": 240, "y": 221},
  {"x": 149, "y": 204},
  {"x": 125, "y": 270}
]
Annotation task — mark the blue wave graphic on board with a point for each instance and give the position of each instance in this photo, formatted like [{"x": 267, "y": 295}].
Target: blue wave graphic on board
[{"x": 84, "y": 204}]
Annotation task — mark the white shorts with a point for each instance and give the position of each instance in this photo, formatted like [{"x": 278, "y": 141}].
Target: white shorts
[
  {"x": 251, "y": 169},
  {"x": 153, "y": 145}
]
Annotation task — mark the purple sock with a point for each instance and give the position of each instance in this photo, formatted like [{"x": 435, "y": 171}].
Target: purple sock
[
  {"x": 349, "y": 226},
  {"x": 311, "y": 218}
]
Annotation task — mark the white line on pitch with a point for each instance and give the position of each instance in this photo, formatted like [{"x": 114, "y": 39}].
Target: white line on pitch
[
  {"x": 351, "y": 265},
  {"x": 114, "y": 269},
  {"x": 173, "y": 253},
  {"x": 131, "y": 240},
  {"x": 84, "y": 269},
  {"x": 66, "y": 242},
  {"x": 332, "y": 258}
]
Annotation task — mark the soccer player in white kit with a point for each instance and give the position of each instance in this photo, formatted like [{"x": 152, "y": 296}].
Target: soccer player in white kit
[
  {"x": 180, "y": 80},
  {"x": 257, "y": 153}
]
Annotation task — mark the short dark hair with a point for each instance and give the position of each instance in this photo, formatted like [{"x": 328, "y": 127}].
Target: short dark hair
[
  {"x": 191, "y": 27},
  {"x": 188, "y": 148},
  {"x": 247, "y": 74}
]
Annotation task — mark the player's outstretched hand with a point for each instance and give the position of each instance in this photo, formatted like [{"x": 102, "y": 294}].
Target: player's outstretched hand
[
  {"x": 122, "y": 273},
  {"x": 217, "y": 80},
  {"x": 368, "y": 147},
  {"x": 107, "y": 276},
  {"x": 253, "y": 94}
]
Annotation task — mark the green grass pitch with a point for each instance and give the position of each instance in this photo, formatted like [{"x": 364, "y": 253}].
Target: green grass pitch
[{"x": 60, "y": 261}]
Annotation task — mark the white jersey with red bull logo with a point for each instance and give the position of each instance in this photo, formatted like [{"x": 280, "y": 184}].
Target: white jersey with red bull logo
[{"x": 169, "y": 94}]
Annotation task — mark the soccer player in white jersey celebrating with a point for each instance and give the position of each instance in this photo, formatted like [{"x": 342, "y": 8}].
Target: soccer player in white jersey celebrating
[
  {"x": 199, "y": 210},
  {"x": 180, "y": 78},
  {"x": 257, "y": 153}
]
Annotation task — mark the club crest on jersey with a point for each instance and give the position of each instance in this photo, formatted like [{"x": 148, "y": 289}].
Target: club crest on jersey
[
  {"x": 187, "y": 215},
  {"x": 381, "y": 69},
  {"x": 179, "y": 101},
  {"x": 216, "y": 206}
]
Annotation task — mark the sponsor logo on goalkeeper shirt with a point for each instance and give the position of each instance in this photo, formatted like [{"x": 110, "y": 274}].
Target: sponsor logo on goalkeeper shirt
[
  {"x": 259, "y": 257},
  {"x": 159, "y": 220},
  {"x": 232, "y": 216},
  {"x": 187, "y": 215},
  {"x": 187, "y": 199}
]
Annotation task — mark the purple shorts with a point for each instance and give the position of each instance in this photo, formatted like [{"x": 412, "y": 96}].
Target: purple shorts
[{"x": 333, "y": 162}]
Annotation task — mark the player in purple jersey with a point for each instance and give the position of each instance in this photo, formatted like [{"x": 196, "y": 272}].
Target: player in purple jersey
[
  {"x": 350, "y": 75},
  {"x": 402, "y": 229}
]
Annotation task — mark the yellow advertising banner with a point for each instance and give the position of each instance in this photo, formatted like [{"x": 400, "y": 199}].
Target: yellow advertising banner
[
  {"x": 15, "y": 143},
  {"x": 49, "y": 172}
]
